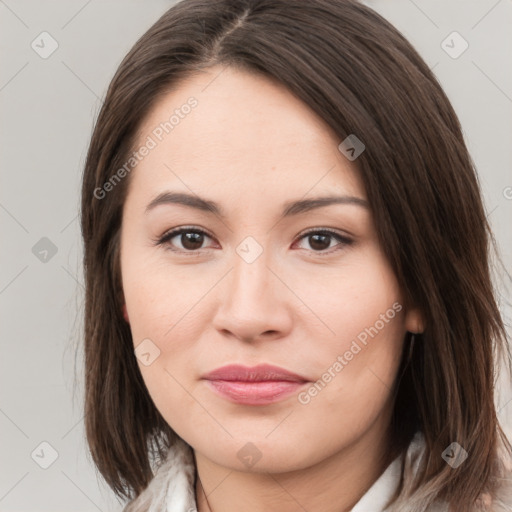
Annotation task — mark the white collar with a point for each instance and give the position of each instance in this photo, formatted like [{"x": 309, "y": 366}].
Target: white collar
[
  {"x": 378, "y": 495},
  {"x": 181, "y": 495},
  {"x": 172, "y": 488}
]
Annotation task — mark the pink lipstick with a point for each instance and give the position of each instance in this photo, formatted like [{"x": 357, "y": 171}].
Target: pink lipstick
[{"x": 257, "y": 385}]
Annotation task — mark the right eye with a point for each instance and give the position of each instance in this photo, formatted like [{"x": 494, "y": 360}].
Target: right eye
[{"x": 190, "y": 239}]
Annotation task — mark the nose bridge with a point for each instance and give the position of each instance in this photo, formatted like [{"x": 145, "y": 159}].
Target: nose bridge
[
  {"x": 250, "y": 294},
  {"x": 250, "y": 276}
]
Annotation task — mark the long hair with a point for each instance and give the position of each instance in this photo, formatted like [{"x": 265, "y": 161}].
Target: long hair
[{"x": 362, "y": 77}]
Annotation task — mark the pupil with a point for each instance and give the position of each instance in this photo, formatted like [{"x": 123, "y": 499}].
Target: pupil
[
  {"x": 191, "y": 240},
  {"x": 315, "y": 238}
]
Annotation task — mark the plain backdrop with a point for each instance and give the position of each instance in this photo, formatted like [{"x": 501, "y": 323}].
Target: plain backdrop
[{"x": 48, "y": 107}]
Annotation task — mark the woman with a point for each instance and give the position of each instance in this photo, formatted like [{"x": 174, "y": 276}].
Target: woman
[{"x": 288, "y": 295}]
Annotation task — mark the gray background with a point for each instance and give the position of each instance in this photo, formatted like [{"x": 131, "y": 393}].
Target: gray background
[{"x": 48, "y": 106}]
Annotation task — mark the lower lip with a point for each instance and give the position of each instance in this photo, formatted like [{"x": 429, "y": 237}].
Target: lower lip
[{"x": 255, "y": 393}]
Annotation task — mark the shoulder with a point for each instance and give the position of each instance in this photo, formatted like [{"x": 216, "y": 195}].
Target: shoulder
[
  {"x": 172, "y": 487},
  {"x": 499, "y": 501},
  {"x": 502, "y": 499}
]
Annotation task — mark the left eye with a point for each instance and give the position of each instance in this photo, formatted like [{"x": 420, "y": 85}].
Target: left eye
[
  {"x": 320, "y": 238},
  {"x": 192, "y": 239}
]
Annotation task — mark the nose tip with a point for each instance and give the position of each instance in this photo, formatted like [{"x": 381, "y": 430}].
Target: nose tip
[{"x": 251, "y": 305}]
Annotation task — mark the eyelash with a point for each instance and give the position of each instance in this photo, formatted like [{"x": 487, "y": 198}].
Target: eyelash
[{"x": 166, "y": 237}]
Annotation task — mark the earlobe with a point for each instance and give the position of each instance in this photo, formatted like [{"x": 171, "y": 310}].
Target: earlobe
[
  {"x": 125, "y": 314},
  {"x": 414, "y": 321}
]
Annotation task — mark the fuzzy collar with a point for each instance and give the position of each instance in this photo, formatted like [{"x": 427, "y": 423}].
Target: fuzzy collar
[{"x": 172, "y": 488}]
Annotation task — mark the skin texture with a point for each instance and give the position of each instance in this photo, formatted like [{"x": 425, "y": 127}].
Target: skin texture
[{"x": 251, "y": 146}]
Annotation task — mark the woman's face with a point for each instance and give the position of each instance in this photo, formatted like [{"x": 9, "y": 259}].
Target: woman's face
[{"x": 248, "y": 285}]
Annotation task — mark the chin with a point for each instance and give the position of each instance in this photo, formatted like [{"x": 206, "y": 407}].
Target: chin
[{"x": 257, "y": 454}]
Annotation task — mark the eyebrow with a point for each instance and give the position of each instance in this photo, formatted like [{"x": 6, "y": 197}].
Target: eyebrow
[{"x": 290, "y": 208}]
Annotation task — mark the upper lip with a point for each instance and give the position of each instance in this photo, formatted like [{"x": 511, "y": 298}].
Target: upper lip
[{"x": 259, "y": 373}]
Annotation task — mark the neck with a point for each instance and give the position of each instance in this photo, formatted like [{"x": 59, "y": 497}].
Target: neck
[{"x": 335, "y": 484}]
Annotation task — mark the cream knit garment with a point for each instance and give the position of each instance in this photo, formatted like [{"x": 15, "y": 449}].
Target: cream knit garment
[{"x": 172, "y": 488}]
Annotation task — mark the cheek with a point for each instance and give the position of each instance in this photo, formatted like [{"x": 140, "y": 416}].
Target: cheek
[
  {"x": 360, "y": 300},
  {"x": 357, "y": 358},
  {"x": 165, "y": 319},
  {"x": 355, "y": 377},
  {"x": 158, "y": 296}
]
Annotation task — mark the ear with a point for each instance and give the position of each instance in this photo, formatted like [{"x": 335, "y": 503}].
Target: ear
[
  {"x": 414, "y": 321},
  {"x": 125, "y": 314}
]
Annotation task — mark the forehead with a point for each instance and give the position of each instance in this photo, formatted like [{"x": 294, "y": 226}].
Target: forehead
[{"x": 245, "y": 131}]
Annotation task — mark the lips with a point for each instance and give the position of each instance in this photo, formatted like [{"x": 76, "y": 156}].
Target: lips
[
  {"x": 258, "y": 385},
  {"x": 262, "y": 372}
]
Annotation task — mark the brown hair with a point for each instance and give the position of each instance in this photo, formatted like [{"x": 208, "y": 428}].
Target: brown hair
[{"x": 361, "y": 76}]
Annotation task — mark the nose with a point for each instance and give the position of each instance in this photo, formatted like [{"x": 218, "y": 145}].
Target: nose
[{"x": 254, "y": 301}]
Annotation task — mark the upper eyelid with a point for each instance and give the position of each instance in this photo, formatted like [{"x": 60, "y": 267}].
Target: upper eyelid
[
  {"x": 170, "y": 234},
  {"x": 181, "y": 229}
]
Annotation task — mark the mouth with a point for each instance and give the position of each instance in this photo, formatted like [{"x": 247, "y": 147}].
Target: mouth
[{"x": 259, "y": 385}]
